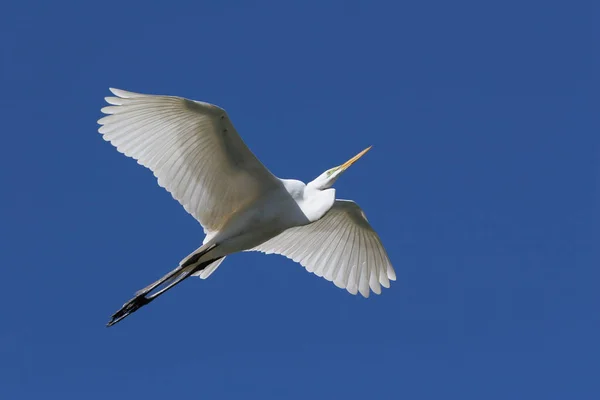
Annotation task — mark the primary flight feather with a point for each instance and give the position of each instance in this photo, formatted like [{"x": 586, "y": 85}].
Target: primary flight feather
[{"x": 197, "y": 155}]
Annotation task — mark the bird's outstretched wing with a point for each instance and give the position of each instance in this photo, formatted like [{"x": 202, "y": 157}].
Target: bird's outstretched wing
[
  {"x": 192, "y": 148},
  {"x": 341, "y": 247}
]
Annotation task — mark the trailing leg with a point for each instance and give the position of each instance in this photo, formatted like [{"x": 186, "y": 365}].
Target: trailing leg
[{"x": 144, "y": 296}]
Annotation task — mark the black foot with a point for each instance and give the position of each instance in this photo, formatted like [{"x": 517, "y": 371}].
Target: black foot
[{"x": 128, "y": 308}]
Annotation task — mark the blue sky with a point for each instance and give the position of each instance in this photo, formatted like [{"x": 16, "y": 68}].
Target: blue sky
[{"x": 482, "y": 183}]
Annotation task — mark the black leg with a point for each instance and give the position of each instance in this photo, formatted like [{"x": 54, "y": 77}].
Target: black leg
[
  {"x": 191, "y": 260},
  {"x": 184, "y": 271}
]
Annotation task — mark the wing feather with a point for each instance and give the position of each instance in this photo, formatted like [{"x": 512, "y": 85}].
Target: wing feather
[
  {"x": 193, "y": 150},
  {"x": 342, "y": 247}
]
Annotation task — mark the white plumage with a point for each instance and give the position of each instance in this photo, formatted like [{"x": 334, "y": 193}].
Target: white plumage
[
  {"x": 197, "y": 155},
  {"x": 340, "y": 247},
  {"x": 193, "y": 150}
]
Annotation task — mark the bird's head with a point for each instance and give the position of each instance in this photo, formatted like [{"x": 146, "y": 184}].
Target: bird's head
[{"x": 328, "y": 178}]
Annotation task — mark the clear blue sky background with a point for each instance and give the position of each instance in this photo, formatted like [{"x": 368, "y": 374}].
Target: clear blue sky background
[{"x": 483, "y": 184}]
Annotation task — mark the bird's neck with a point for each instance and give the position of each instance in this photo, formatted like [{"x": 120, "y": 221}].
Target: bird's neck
[
  {"x": 312, "y": 201},
  {"x": 316, "y": 202}
]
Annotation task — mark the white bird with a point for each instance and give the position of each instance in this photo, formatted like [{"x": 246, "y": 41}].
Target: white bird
[{"x": 197, "y": 155}]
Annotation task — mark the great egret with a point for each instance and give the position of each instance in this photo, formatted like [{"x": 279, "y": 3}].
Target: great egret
[{"x": 197, "y": 155}]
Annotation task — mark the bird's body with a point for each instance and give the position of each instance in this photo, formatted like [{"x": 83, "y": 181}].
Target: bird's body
[
  {"x": 196, "y": 154},
  {"x": 289, "y": 205}
]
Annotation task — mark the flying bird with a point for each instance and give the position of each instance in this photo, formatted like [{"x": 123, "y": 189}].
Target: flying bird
[{"x": 196, "y": 154}]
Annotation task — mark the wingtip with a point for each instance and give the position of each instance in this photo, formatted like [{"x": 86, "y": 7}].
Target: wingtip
[
  {"x": 392, "y": 275},
  {"x": 124, "y": 94}
]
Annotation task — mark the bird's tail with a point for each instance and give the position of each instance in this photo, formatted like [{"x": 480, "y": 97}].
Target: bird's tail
[
  {"x": 206, "y": 272},
  {"x": 191, "y": 265}
]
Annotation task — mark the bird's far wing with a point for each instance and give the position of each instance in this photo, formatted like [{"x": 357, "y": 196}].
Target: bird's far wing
[
  {"x": 341, "y": 247},
  {"x": 192, "y": 148}
]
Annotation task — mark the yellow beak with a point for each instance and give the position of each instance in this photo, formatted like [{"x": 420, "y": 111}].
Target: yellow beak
[{"x": 351, "y": 161}]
